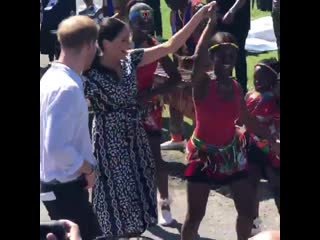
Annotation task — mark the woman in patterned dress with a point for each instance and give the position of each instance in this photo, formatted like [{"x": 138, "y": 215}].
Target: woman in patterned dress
[{"x": 124, "y": 196}]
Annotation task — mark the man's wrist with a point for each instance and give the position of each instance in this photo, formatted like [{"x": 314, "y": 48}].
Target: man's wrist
[
  {"x": 90, "y": 172},
  {"x": 86, "y": 168}
]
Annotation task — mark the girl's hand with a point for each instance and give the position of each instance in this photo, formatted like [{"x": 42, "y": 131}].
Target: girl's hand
[{"x": 208, "y": 10}]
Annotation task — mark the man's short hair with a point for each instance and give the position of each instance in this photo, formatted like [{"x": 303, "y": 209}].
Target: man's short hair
[{"x": 76, "y": 31}]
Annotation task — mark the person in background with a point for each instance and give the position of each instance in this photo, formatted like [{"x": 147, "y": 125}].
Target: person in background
[
  {"x": 120, "y": 11},
  {"x": 155, "y": 5},
  {"x": 67, "y": 165},
  {"x": 181, "y": 13},
  {"x": 54, "y": 11},
  {"x": 92, "y": 10},
  {"x": 141, "y": 23},
  {"x": 276, "y": 22},
  {"x": 41, "y": 12},
  {"x": 263, "y": 104},
  {"x": 115, "y": 8}
]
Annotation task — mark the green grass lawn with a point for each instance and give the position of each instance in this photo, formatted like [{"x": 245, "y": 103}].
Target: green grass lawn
[{"x": 251, "y": 59}]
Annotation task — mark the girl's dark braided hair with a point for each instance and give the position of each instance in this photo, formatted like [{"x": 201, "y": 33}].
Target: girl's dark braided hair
[{"x": 272, "y": 63}]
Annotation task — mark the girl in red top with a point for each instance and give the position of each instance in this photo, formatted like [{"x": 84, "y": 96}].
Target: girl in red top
[
  {"x": 141, "y": 23},
  {"x": 216, "y": 151},
  {"x": 263, "y": 103}
]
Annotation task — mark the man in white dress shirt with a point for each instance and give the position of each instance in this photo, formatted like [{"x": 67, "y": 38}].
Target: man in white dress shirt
[{"x": 66, "y": 159}]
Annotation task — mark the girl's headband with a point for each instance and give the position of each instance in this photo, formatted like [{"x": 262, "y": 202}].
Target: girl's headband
[
  {"x": 266, "y": 66},
  {"x": 225, "y": 43}
]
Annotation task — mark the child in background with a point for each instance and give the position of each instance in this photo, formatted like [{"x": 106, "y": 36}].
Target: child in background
[
  {"x": 181, "y": 12},
  {"x": 263, "y": 103},
  {"x": 92, "y": 10}
]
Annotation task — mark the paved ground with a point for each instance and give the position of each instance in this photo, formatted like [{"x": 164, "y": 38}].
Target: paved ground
[{"x": 219, "y": 221}]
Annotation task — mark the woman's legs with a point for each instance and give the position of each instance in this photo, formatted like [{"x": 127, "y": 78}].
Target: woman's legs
[
  {"x": 245, "y": 203},
  {"x": 197, "y": 197}
]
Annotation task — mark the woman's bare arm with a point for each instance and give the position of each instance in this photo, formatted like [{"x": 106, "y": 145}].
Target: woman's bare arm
[{"x": 177, "y": 40}]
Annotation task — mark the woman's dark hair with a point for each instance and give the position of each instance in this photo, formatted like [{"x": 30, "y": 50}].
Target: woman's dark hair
[
  {"x": 109, "y": 30},
  {"x": 271, "y": 62}
]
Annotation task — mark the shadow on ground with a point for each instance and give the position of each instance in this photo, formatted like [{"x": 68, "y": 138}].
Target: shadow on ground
[{"x": 163, "y": 234}]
